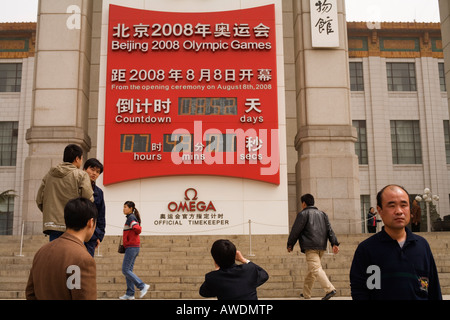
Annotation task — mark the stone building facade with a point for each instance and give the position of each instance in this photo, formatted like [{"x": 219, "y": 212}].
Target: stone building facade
[{"x": 352, "y": 121}]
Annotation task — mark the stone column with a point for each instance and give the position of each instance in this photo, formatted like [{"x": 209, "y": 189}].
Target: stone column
[
  {"x": 60, "y": 94},
  {"x": 327, "y": 166},
  {"x": 444, "y": 12}
]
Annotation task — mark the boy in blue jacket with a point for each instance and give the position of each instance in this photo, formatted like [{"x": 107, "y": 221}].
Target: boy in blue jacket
[{"x": 94, "y": 169}]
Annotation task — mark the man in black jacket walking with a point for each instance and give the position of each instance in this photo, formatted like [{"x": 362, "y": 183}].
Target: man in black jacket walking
[{"x": 312, "y": 229}]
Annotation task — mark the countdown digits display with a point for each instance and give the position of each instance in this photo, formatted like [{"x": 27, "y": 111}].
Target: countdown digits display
[
  {"x": 207, "y": 106},
  {"x": 191, "y": 94},
  {"x": 135, "y": 142}
]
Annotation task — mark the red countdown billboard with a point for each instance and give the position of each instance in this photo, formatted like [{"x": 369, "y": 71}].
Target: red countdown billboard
[{"x": 191, "y": 94}]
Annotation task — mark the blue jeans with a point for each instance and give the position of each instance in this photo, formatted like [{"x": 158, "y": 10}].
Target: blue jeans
[{"x": 127, "y": 270}]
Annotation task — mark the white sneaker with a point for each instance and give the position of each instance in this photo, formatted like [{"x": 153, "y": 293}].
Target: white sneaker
[
  {"x": 126, "y": 297},
  {"x": 144, "y": 291}
]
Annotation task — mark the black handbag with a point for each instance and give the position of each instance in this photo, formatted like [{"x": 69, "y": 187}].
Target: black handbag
[{"x": 121, "y": 248}]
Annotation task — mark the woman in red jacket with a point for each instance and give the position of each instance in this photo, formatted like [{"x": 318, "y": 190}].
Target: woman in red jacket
[{"x": 132, "y": 242}]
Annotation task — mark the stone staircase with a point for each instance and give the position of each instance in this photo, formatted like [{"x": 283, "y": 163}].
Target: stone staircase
[{"x": 175, "y": 266}]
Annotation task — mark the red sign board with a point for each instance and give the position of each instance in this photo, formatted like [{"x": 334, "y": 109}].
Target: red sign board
[{"x": 191, "y": 94}]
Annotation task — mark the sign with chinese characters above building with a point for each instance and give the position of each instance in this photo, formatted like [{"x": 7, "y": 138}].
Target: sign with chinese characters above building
[
  {"x": 191, "y": 94},
  {"x": 324, "y": 23}
]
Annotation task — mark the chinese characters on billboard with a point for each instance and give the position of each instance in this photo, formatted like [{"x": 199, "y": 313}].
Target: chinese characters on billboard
[
  {"x": 324, "y": 23},
  {"x": 191, "y": 94}
]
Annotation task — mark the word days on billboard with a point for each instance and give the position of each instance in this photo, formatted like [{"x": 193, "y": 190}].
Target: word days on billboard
[{"x": 191, "y": 94}]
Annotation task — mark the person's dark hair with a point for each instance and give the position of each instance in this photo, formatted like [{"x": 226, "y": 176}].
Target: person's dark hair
[
  {"x": 78, "y": 212},
  {"x": 93, "y": 163},
  {"x": 380, "y": 194},
  {"x": 130, "y": 204},
  {"x": 71, "y": 152},
  {"x": 308, "y": 199},
  {"x": 223, "y": 253}
]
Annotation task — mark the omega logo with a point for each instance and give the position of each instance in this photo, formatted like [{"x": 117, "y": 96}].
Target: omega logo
[
  {"x": 190, "y": 204},
  {"x": 186, "y": 197}
]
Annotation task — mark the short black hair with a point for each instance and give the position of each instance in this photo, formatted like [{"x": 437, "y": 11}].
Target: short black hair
[
  {"x": 380, "y": 193},
  {"x": 71, "y": 152},
  {"x": 93, "y": 163},
  {"x": 78, "y": 212},
  {"x": 308, "y": 199},
  {"x": 224, "y": 253}
]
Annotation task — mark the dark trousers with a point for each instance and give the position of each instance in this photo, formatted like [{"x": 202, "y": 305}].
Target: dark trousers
[
  {"x": 54, "y": 234},
  {"x": 90, "y": 246}
]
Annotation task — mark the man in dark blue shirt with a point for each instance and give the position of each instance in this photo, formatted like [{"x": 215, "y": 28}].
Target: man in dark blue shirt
[{"x": 394, "y": 264}]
